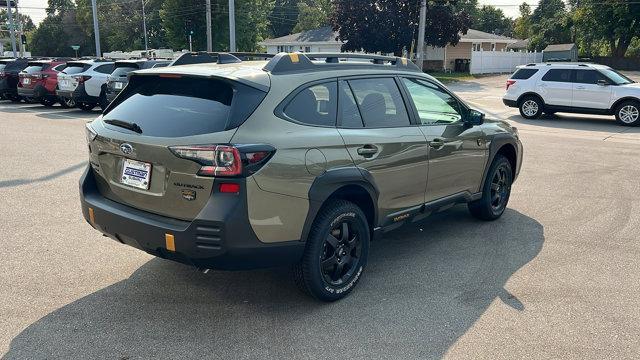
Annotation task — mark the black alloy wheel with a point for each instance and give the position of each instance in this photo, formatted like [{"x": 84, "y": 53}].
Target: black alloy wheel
[{"x": 341, "y": 253}]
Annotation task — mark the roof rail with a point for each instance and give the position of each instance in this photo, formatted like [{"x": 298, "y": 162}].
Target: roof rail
[{"x": 293, "y": 62}]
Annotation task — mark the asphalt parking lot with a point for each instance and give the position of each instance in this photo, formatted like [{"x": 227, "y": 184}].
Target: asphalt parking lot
[{"x": 555, "y": 277}]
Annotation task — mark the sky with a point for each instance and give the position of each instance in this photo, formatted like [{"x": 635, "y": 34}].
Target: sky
[{"x": 35, "y": 8}]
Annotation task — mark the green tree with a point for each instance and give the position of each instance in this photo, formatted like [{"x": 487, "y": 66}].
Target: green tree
[
  {"x": 522, "y": 25},
  {"x": 616, "y": 22},
  {"x": 252, "y": 23},
  {"x": 551, "y": 23},
  {"x": 283, "y": 17},
  {"x": 388, "y": 26},
  {"x": 27, "y": 22},
  {"x": 313, "y": 14},
  {"x": 492, "y": 20}
]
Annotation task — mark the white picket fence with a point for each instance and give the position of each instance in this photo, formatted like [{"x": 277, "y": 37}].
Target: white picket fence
[{"x": 488, "y": 62}]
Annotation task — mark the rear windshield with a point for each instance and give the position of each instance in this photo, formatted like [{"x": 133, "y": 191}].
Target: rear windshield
[
  {"x": 75, "y": 68},
  {"x": 170, "y": 107},
  {"x": 32, "y": 69},
  {"x": 2, "y": 66},
  {"x": 123, "y": 70},
  {"x": 523, "y": 74}
]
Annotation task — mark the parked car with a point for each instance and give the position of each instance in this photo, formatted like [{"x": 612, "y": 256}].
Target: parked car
[
  {"x": 3, "y": 63},
  {"x": 39, "y": 79},
  {"x": 574, "y": 88},
  {"x": 118, "y": 78},
  {"x": 9, "y": 78},
  {"x": 291, "y": 161},
  {"x": 84, "y": 82}
]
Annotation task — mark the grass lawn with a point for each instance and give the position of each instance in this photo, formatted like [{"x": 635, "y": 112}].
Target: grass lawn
[{"x": 451, "y": 77}]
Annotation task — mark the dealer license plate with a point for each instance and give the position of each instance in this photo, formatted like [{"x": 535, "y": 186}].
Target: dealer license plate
[{"x": 136, "y": 174}]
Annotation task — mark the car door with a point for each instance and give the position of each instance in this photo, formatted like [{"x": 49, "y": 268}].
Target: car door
[
  {"x": 556, "y": 87},
  {"x": 457, "y": 151},
  {"x": 588, "y": 93},
  {"x": 381, "y": 139}
]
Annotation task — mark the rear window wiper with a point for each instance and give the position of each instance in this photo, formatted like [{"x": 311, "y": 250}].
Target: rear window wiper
[{"x": 125, "y": 124}]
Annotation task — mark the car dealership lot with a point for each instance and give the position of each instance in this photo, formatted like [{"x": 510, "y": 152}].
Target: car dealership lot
[{"x": 555, "y": 277}]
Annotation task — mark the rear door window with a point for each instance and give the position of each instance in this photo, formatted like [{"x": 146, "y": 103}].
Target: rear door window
[
  {"x": 380, "y": 102},
  {"x": 523, "y": 74},
  {"x": 558, "y": 75},
  {"x": 349, "y": 113},
  {"x": 315, "y": 105},
  {"x": 168, "y": 107}
]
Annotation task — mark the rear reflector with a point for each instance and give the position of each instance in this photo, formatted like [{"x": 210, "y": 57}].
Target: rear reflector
[
  {"x": 92, "y": 217},
  {"x": 230, "y": 188},
  {"x": 170, "y": 242}
]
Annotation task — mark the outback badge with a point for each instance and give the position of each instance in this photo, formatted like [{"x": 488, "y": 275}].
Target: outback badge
[{"x": 188, "y": 195}]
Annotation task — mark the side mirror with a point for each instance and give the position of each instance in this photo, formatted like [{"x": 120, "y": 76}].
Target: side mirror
[
  {"x": 474, "y": 117},
  {"x": 603, "y": 82}
]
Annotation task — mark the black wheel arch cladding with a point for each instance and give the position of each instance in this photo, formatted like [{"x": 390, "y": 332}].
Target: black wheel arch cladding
[{"x": 330, "y": 184}]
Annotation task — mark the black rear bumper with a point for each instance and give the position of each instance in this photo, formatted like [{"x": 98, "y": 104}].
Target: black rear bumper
[
  {"x": 37, "y": 92},
  {"x": 79, "y": 95},
  {"x": 219, "y": 238},
  {"x": 510, "y": 103}
]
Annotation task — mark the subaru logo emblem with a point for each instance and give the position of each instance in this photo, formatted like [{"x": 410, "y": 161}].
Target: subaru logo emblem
[{"x": 126, "y": 148}]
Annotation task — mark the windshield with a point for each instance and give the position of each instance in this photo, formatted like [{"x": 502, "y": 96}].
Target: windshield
[
  {"x": 2, "y": 66},
  {"x": 616, "y": 77},
  {"x": 33, "y": 69}
]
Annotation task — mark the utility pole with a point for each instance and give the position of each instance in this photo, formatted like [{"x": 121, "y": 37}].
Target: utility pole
[
  {"x": 12, "y": 29},
  {"x": 232, "y": 26},
  {"x": 20, "y": 43},
  {"x": 96, "y": 30},
  {"x": 209, "y": 38},
  {"x": 422, "y": 25},
  {"x": 190, "y": 45},
  {"x": 144, "y": 27}
]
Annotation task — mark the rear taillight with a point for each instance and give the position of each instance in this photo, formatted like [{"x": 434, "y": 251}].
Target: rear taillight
[
  {"x": 2, "y": 74},
  {"x": 82, "y": 78},
  {"x": 226, "y": 160},
  {"x": 509, "y": 83}
]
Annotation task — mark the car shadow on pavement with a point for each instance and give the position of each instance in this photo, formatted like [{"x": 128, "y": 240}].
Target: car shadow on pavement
[
  {"x": 426, "y": 284},
  {"x": 18, "y": 182},
  {"x": 585, "y": 123}
]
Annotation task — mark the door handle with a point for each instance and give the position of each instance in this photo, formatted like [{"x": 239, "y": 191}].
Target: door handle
[
  {"x": 580, "y": 87},
  {"x": 436, "y": 143},
  {"x": 368, "y": 150}
]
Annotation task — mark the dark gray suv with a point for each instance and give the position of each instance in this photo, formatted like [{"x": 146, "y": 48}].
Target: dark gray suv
[{"x": 300, "y": 160}]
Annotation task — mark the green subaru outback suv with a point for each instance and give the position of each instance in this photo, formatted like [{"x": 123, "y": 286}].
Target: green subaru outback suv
[{"x": 301, "y": 160}]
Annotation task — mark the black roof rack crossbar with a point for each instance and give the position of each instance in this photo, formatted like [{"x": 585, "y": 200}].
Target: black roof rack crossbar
[
  {"x": 202, "y": 57},
  {"x": 293, "y": 62}
]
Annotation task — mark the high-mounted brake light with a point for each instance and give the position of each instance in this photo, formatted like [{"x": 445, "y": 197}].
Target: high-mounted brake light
[
  {"x": 509, "y": 83},
  {"x": 171, "y": 76}
]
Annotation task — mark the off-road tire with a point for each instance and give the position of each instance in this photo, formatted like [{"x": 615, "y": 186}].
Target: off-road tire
[
  {"x": 531, "y": 107},
  {"x": 628, "y": 113},
  {"x": 309, "y": 274},
  {"x": 485, "y": 208}
]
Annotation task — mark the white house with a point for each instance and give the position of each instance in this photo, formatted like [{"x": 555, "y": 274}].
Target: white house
[
  {"x": 317, "y": 40},
  {"x": 437, "y": 58}
]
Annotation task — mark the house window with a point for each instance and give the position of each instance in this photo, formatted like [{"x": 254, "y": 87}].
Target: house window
[
  {"x": 285, "y": 48},
  {"x": 477, "y": 47},
  {"x": 493, "y": 46},
  {"x": 307, "y": 49}
]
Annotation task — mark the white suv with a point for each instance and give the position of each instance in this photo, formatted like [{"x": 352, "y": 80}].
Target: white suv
[
  {"x": 574, "y": 88},
  {"x": 84, "y": 82}
]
